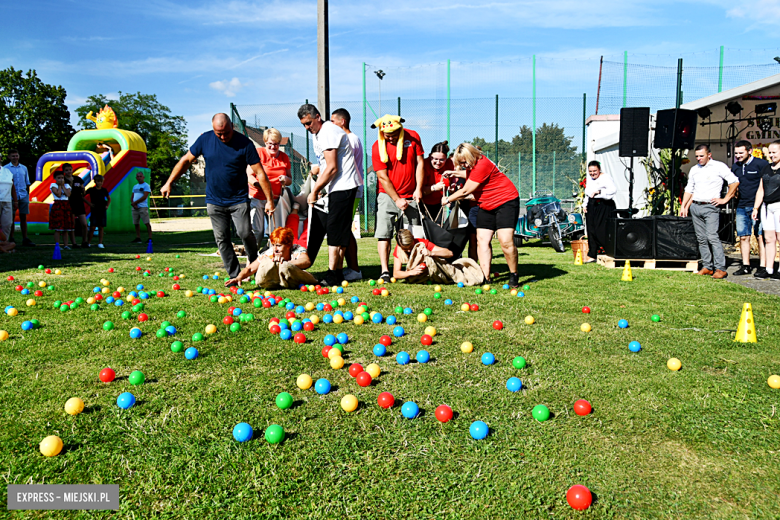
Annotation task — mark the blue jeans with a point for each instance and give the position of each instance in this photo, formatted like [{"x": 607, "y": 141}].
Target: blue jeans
[{"x": 746, "y": 226}]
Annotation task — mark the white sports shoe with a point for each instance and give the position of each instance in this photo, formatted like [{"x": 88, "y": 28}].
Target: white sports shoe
[
  {"x": 352, "y": 276},
  {"x": 101, "y": 246}
]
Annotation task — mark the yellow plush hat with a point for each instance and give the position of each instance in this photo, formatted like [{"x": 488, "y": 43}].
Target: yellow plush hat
[{"x": 388, "y": 124}]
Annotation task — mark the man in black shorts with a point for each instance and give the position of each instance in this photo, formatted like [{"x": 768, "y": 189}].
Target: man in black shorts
[{"x": 338, "y": 181}]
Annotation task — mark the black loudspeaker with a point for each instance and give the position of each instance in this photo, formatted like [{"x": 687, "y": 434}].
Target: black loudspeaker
[
  {"x": 634, "y": 125},
  {"x": 629, "y": 238},
  {"x": 675, "y": 238},
  {"x": 728, "y": 227},
  {"x": 684, "y": 135}
]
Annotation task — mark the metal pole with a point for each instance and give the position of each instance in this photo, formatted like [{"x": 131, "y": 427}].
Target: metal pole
[
  {"x": 380, "y": 97},
  {"x": 399, "y": 106},
  {"x": 365, "y": 155},
  {"x": 673, "y": 165},
  {"x": 533, "y": 133},
  {"x": 720, "y": 71},
  {"x": 519, "y": 174},
  {"x": 553, "y": 173},
  {"x": 448, "y": 101},
  {"x": 584, "y": 119},
  {"x": 307, "y": 140},
  {"x": 323, "y": 60},
  {"x": 598, "y": 90},
  {"x": 496, "y": 128},
  {"x": 625, "y": 78}
]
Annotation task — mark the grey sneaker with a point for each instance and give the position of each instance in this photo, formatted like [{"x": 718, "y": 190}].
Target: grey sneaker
[
  {"x": 386, "y": 276},
  {"x": 351, "y": 275}
]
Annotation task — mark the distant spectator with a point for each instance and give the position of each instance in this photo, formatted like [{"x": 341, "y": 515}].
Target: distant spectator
[
  {"x": 277, "y": 168},
  {"x": 60, "y": 216},
  {"x": 22, "y": 184},
  {"x": 99, "y": 199},
  {"x": 76, "y": 200},
  {"x": 141, "y": 192},
  {"x": 435, "y": 184},
  {"x": 7, "y": 201}
]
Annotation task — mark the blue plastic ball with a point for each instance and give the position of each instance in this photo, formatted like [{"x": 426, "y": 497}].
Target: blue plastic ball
[
  {"x": 212, "y": 292},
  {"x": 398, "y": 331},
  {"x": 391, "y": 320},
  {"x": 514, "y": 384},
  {"x": 283, "y": 326},
  {"x": 290, "y": 306},
  {"x": 349, "y": 316},
  {"x": 305, "y": 321},
  {"x": 402, "y": 358},
  {"x": 380, "y": 350},
  {"x": 410, "y": 410},
  {"x": 478, "y": 430},
  {"x": 135, "y": 333},
  {"x": 25, "y": 291},
  {"x": 237, "y": 312},
  {"x": 339, "y": 313},
  {"x": 139, "y": 287},
  {"x": 133, "y": 294},
  {"x": 322, "y": 386},
  {"x": 460, "y": 284},
  {"x": 191, "y": 353},
  {"x": 271, "y": 301},
  {"x": 329, "y": 340},
  {"x": 8, "y": 307},
  {"x": 423, "y": 356},
  {"x": 342, "y": 338},
  {"x": 320, "y": 307},
  {"x": 296, "y": 326},
  {"x": 96, "y": 290},
  {"x": 447, "y": 302},
  {"x": 143, "y": 295},
  {"x": 520, "y": 294},
  {"x": 110, "y": 300},
  {"x": 623, "y": 324},
  {"x": 506, "y": 286},
  {"x": 634, "y": 346},
  {"x": 119, "y": 303},
  {"x": 125, "y": 400},
  {"x": 488, "y": 358},
  {"x": 242, "y": 432},
  {"x": 377, "y": 318},
  {"x": 240, "y": 292},
  {"x": 27, "y": 325},
  {"x": 408, "y": 310},
  {"x": 300, "y": 309},
  {"x": 327, "y": 318},
  {"x": 170, "y": 330},
  {"x": 354, "y": 299},
  {"x": 215, "y": 277},
  {"x": 285, "y": 334},
  {"x": 340, "y": 290},
  {"x": 205, "y": 277}
]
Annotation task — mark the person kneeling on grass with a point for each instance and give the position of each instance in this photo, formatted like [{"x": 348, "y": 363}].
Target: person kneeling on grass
[
  {"x": 426, "y": 261},
  {"x": 282, "y": 264}
]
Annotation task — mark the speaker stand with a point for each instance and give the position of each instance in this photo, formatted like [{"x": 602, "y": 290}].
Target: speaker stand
[{"x": 631, "y": 186}]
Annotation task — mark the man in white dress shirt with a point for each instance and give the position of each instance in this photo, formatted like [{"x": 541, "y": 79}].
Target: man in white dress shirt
[
  {"x": 701, "y": 199},
  {"x": 598, "y": 205}
]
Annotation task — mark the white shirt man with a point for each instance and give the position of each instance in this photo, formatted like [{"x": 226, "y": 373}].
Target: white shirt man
[{"x": 601, "y": 188}]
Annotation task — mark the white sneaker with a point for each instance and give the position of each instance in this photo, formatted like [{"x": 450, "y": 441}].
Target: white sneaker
[
  {"x": 101, "y": 246},
  {"x": 352, "y": 276}
]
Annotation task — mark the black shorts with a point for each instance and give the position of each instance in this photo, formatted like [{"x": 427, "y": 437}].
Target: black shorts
[
  {"x": 339, "y": 220},
  {"x": 503, "y": 217},
  {"x": 97, "y": 219}
]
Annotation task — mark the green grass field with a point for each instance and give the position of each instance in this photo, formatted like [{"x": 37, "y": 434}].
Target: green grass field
[{"x": 703, "y": 442}]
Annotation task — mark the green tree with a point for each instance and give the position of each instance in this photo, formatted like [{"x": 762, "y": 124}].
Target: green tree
[
  {"x": 33, "y": 117},
  {"x": 165, "y": 134},
  {"x": 549, "y": 139}
]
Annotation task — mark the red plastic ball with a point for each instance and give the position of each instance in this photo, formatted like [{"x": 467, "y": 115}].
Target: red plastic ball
[
  {"x": 426, "y": 340},
  {"x": 363, "y": 379},
  {"x": 582, "y": 407},
  {"x": 586, "y": 310},
  {"x": 176, "y": 287},
  {"x": 300, "y": 338},
  {"x": 385, "y": 400},
  {"x": 308, "y": 326},
  {"x": 98, "y": 297},
  {"x": 579, "y": 497},
  {"x": 328, "y": 307},
  {"x": 303, "y": 288},
  {"x": 290, "y": 315},
  {"x": 498, "y": 325},
  {"x": 275, "y": 329},
  {"x": 355, "y": 369},
  {"x": 176, "y": 278},
  {"x": 48, "y": 271},
  {"x": 38, "y": 293},
  {"x": 227, "y": 320},
  {"x": 143, "y": 317},
  {"x": 266, "y": 304},
  {"x": 443, "y": 413},
  {"x": 107, "y": 375},
  {"x": 233, "y": 290},
  {"x": 10, "y": 278},
  {"x": 376, "y": 292},
  {"x": 117, "y": 294},
  {"x": 136, "y": 301},
  {"x": 167, "y": 269},
  {"x": 19, "y": 288},
  {"x": 325, "y": 350},
  {"x": 474, "y": 307},
  {"x": 386, "y": 340},
  {"x": 110, "y": 269},
  {"x": 138, "y": 268},
  {"x": 274, "y": 320},
  {"x": 160, "y": 294},
  {"x": 138, "y": 256},
  {"x": 318, "y": 287},
  {"x": 231, "y": 309}
]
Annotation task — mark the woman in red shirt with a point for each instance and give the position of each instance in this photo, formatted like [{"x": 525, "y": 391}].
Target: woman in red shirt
[
  {"x": 434, "y": 184},
  {"x": 277, "y": 167},
  {"x": 499, "y": 206}
]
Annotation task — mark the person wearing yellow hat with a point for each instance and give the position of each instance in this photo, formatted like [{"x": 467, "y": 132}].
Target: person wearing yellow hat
[{"x": 397, "y": 157}]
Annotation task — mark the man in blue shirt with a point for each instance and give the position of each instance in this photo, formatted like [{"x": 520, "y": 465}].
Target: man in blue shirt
[
  {"x": 22, "y": 184},
  {"x": 227, "y": 154},
  {"x": 748, "y": 170}
]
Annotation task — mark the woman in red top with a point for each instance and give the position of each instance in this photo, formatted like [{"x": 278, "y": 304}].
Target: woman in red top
[
  {"x": 499, "y": 206},
  {"x": 434, "y": 184},
  {"x": 277, "y": 166},
  {"x": 406, "y": 242}
]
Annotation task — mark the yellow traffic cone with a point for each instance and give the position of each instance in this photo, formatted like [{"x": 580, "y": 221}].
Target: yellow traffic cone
[
  {"x": 746, "y": 331},
  {"x": 627, "y": 277},
  {"x": 578, "y": 259}
]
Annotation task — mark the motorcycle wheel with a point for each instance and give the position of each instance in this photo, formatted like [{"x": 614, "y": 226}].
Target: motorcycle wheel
[
  {"x": 518, "y": 241},
  {"x": 555, "y": 239}
]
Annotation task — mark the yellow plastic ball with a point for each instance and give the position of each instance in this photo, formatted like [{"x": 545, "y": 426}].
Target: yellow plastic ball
[
  {"x": 465, "y": 307},
  {"x": 181, "y": 277},
  {"x": 380, "y": 282},
  {"x": 513, "y": 292},
  {"x": 393, "y": 280},
  {"x": 467, "y": 347},
  {"x": 3, "y": 335},
  {"x": 422, "y": 318},
  {"x": 57, "y": 272},
  {"x": 188, "y": 293},
  {"x": 338, "y": 319},
  {"x": 304, "y": 381},
  {"x": 334, "y": 352},
  {"x": 129, "y": 299},
  {"x": 309, "y": 306},
  {"x": 91, "y": 300},
  {"x": 221, "y": 299},
  {"x": 211, "y": 329},
  {"x": 41, "y": 284},
  {"x": 385, "y": 293},
  {"x": 674, "y": 364},
  {"x": 51, "y": 446},
  {"x": 774, "y": 382},
  {"x": 314, "y": 319},
  {"x": 105, "y": 283},
  {"x": 74, "y": 406},
  {"x": 216, "y": 273},
  {"x": 529, "y": 320},
  {"x": 485, "y": 287},
  {"x": 148, "y": 258},
  {"x": 360, "y": 310},
  {"x": 267, "y": 294},
  {"x": 358, "y": 320},
  {"x": 120, "y": 290},
  {"x": 12, "y": 311},
  {"x": 342, "y": 302},
  {"x": 229, "y": 298},
  {"x": 105, "y": 290},
  {"x": 30, "y": 302},
  {"x": 336, "y": 362},
  {"x": 349, "y": 403},
  {"x": 431, "y": 331},
  {"x": 345, "y": 284},
  {"x": 437, "y": 288},
  {"x": 585, "y": 327},
  {"x": 373, "y": 370}
]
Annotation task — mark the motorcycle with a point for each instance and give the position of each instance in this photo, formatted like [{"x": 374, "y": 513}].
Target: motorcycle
[{"x": 545, "y": 217}]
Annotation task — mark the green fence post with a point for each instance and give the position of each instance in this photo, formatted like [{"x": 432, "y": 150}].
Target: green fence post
[
  {"x": 365, "y": 156},
  {"x": 496, "y": 128},
  {"x": 625, "y": 78},
  {"x": 448, "y": 101},
  {"x": 720, "y": 71},
  {"x": 533, "y": 132},
  {"x": 307, "y": 139}
]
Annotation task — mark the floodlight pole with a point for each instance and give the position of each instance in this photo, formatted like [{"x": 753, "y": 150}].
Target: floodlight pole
[{"x": 323, "y": 60}]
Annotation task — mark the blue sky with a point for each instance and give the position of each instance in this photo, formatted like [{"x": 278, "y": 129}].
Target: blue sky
[{"x": 199, "y": 56}]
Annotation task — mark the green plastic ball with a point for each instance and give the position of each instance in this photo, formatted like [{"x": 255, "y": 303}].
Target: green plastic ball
[
  {"x": 235, "y": 327},
  {"x": 74, "y": 306},
  {"x": 138, "y": 307},
  {"x": 428, "y": 311},
  {"x": 146, "y": 273},
  {"x": 244, "y": 299},
  {"x": 197, "y": 337},
  {"x": 284, "y": 321},
  {"x": 334, "y": 303},
  {"x": 282, "y": 304},
  {"x": 493, "y": 291},
  {"x": 656, "y": 318},
  {"x": 372, "y": 283},
  {"x": 109, "y": 325},
  {"x": 170, "y": 274},
  {"x": 165, "y": 324},
  {"x": 526, "y": 287},
  {"x": 36, "y": 324},
  {"x": 540, "y": 412},
  {"x": 181, "y": 314},
  {"x": 198, "y": 289},
  {"x": 79, "y": 300},
  {"x": 248, "y": 316},
  {"x": 399, "y": 310},
  {"x": 478, "y": 291},
  {"x": 366, "y": 316},
  {"x": 274, "y": 434},
  {"x": 214, "y": 298},
  {"x": 94, "y": 307},
  {"x": 257, "y": 303},
  {"x": 518, "y": 362},
  {"x": 30, "y": 285},
  {"x": 437, "y": 296},
  {"x": 284, "y": 401},
  {"x": 64, "y": 307},
  {"x": 339, "y": 346},
  {"x": 178, "y": 256},
  {"x": 56, "y": 305},
  {"x": 40, "y": 267},
  {"x": 50, "y": 288},
  {"x": 126, "y": 315},
  {"x": 136, "y": 378},
  {"x": 161, "y": 333},
  {"x": 177, "y": 346}
]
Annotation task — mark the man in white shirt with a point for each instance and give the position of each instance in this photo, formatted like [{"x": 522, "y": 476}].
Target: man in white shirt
[
  {"x": 701, "y": 199},
  {"x": 7, "y": 200},
  {"x": 22, "y": 186},
  {"x": 598, "y": 204},
  {"x": 339, "y": 179}
]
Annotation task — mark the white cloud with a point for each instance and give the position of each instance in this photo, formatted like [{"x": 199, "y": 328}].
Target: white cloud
[
  {"x": 768, "y": 10},
  {"x": 229, "y": 88},
  {"x": 241, "y": 12}
]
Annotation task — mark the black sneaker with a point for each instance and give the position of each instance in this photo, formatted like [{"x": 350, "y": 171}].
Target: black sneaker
[
  {"x": 136, "y": 241},
  {"x": 743, "y": 270},
  {"x": 76, "y": 246},
  {"x": 774, "y": 276},
  {"x": 330, "y": 280},
  {"x": 761, "y": 274},
  {"x": 513, "y": 281},
  {"x": 28, "y": 243},
  {"x": 386, "y": 276}
]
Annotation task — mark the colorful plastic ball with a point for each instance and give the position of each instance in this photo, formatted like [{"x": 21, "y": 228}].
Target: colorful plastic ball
[
  {"x": 585, "y": 327},
  {"x": 160, "y": 333},
  {"x": 363, "y": 379},
  {"x": 526, "y": 287},
  {"x": 181, "y": 314},
  {"x": 51, "y": 446},
  {"x": 402, "y": 358},
  {"x": 342, "y": 338},
  {"x": 410, "y": 410},
  {"x": 443, "y": 413},
  {"x": 398, "y": 331},
  {"x": 380, "y": 350},
  {"x": 529, "y": 320},
  {"x": 322, "y": 386},
  {"x": 655, "y": 317},
  {"x": 774, "y": 382},
  {"x": 234, "y": 327},
  {"x": 12, "y": 312},
  {"x": 135, "y": 333},
  {"x": 586, "y": 310},
  {"x": 467, "y": 347},
  {"x": 125, "y": 400},
  {"x": 349, "y": 402},
  {"x": 498, "y": 325},
  {"x": 513, "y": 384},
  {"x": 479, "y": 430},
  {"x": 674, "y": 364},
  {"x": 426, "y": 340},
  {"x": 423, "y": 356},
  {"x": 197, "y": 337},
  {"x": 143, "y": 317},
  {"x": 377, "y": 318},
  {"x": 30, "y": 303},
  {"x": 488, "y": 358},
  {"x": 465, "y": 307},
  {"x": 107, "y": 375},
  {"x": 211, "y": 329},
  {"x": 274, "y": 434},
  {"x": 518, "y": 362},
  {"x": 623, "y": 324},
  {"x": 582, "y": 407},
  {"x": 385, "y": 400},
  {"x": 540, "y": 412},
  {"x": 355, "y": 369},
  {"x": 177, "y": 346},
  {"x": 286, "y": 334},
  {"x": 74, "y": 406},
  {"x": 304, "y": 381},
  {"x": 634, "y": 346},
  {"x": 3, "y": 335},
  {"x": 284, "y": 400},
  {"x": 94, "y": 307},
  {"x": 136, "y": 377},
  {"x": 460, "y": 284},
  {"x": 191, "y": 353},
  {"x": 422, "y": 318},
  {"x": 242, "y": 432},
  {"x": 579, "y": 497},
  {"x": 474, "y": 307},
  {"x": 27, "y": 325},
  {"x": 373, "y": 370},
  {"x": 447, "y": 302}
]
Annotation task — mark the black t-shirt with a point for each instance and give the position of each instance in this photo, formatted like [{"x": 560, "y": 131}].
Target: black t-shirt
[
  {"x": 771, "y": 180},
  {"x": 226, "y": 181},
  {"x": 76, "y": 198},
  {"x": 99, "y": 198},
  {"x": 749, "y": 176}
]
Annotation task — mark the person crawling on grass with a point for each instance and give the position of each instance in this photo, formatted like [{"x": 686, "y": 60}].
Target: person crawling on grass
[
  {"x": 426, "y": 261},
  {"x": 282, "y": 264}
]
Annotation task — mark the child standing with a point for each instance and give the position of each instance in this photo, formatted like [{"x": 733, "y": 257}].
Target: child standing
[
  {"x": 141, "y": 192},
  {"x": 99, "y": 200},
  {"x": 76, "y": 200},
  {"x": 60, "y": 216}
]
